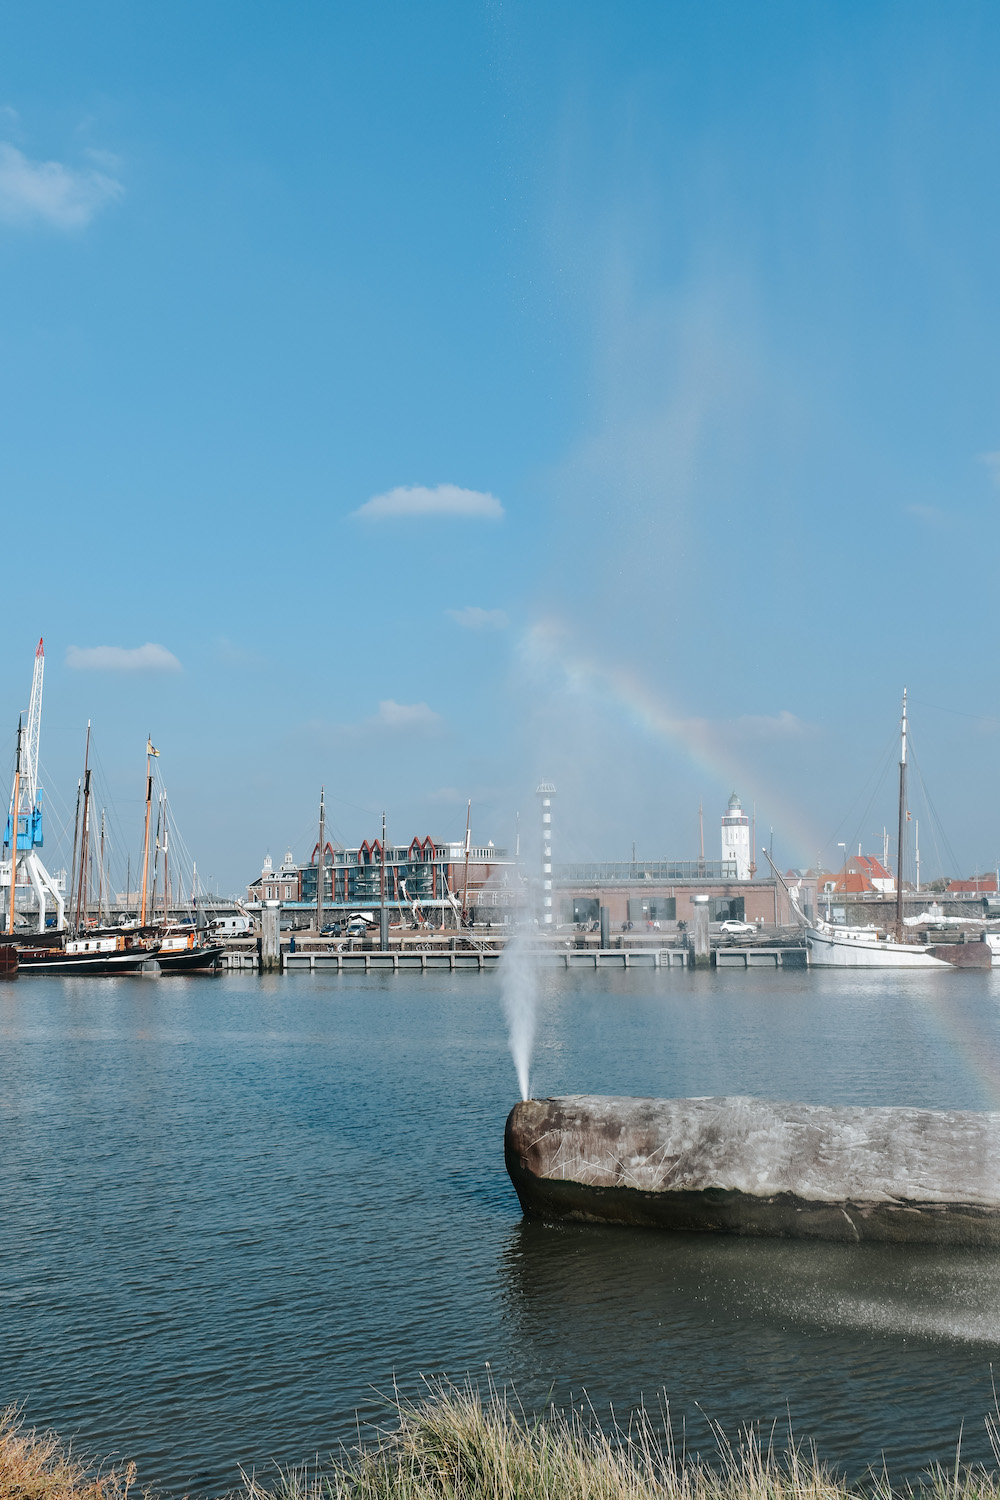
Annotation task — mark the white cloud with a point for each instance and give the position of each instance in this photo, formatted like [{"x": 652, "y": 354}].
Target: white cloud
[
  {"x": 780, "y": 726},
  {"x": 474, "y": 618},
  {"x": 148, "y": 658},
  {"x": 442, "y": 500},
  {"x": 229, "y": 654},
  {"x": 929, "y": 513},
  {"x": 992, "y": 462},
  {"x": 48, "y": 192},
  {"x": 408, "y": 717}
]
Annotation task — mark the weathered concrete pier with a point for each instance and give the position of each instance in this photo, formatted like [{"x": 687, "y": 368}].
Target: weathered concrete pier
[
  {"x": 412, "y": 953},
  {"x": 750, "y": 1167}
]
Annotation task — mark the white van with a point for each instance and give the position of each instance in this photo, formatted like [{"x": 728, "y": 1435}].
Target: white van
[{"x": 235, "y": 926}]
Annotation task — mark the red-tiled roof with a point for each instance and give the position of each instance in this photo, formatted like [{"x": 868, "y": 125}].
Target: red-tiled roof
[{"x": 872, "y": 867}]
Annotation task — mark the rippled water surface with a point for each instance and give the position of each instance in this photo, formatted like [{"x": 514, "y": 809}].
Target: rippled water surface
[{"x": 235, "y": 1210}]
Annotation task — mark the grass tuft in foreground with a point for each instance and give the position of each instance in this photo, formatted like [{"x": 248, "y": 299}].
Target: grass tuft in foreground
[
  {"x": 37, "y": 1466},
  {"x": 458, "y": 1446}
]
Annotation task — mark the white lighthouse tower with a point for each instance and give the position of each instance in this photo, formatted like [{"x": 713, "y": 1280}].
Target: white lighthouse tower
[{"x": 736, "y": 838}]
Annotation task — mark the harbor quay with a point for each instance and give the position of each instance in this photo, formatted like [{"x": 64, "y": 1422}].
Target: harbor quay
[{"x": 432, "y": 903}]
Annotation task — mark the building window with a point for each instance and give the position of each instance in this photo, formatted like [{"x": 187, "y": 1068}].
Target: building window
[
  {"x": 581, "y": 909},
  {"x": 652, "y": 909},
  {"x": 729, "y": 909}
]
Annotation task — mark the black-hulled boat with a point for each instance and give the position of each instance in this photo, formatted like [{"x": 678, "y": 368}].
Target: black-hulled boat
[
  {"x": 121, "y": 954},
  {"x": 185, "y": 953}
]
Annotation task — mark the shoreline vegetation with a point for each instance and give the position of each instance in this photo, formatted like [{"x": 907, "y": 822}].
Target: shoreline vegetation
[{"x": 457, "y": 1444}]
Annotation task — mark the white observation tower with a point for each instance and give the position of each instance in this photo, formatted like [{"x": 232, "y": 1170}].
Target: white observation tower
[
  {"x": 736, "y": 838},
  {"x": 545, "y": 791}
]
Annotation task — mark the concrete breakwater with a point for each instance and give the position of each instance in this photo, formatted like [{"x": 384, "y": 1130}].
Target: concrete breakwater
[
  {"x": 419, "y": 952},
  {"x": 747, "y": 1166}
]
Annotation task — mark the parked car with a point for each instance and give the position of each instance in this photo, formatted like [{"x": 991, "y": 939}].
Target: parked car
[{"x": 732, "y": 925}]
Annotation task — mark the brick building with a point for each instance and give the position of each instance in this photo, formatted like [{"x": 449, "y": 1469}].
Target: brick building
[{"x": 662, "y": 891}]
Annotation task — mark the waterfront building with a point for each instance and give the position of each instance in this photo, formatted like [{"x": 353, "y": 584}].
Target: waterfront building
[
  {"x": 862, "y": 874},
  {"x": 427, "y": 876},
  {"x": 282, "y": 884},
  {"x": 980, "y": 885},
  {"x": 736, "y": 839},
  {"x": 655, "y": 895}
]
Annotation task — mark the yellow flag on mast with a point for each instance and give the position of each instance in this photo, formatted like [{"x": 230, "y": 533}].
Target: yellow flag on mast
[{"x": 149, "y": 747}]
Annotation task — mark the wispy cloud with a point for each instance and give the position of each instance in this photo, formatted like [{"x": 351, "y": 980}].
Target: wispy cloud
[
  {"x": 441, "y": 500},
  {"x": 474, "y": 618},
  {"x": 148, "y": 658},
  {"x": 49, "y": 192},
  {"x": 400, "y": 717},
  {"x": 779, "y": 726},
  {"x": 229, "y": 654},
  {"x": 930, "y": 514},
  {"x": 992, "y": 462},
  {"x": 416, "y": 720}
]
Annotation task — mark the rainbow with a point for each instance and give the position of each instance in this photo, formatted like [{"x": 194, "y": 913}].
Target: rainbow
[{"x": 547, "y": 647}]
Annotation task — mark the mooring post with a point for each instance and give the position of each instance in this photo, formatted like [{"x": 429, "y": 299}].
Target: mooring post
[
  {"x": 270, "y": 951},
  {"x": 702, "y": 949},
  {"x": 605, "y": 927}
]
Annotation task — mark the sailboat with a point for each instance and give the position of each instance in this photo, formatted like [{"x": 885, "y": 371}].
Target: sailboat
[
  {"x": 834, "y": 946},
  {"x": 182, "y": 948}
]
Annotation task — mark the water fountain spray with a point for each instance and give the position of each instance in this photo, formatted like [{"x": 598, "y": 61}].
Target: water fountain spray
[{"x": 519, "y": 995}]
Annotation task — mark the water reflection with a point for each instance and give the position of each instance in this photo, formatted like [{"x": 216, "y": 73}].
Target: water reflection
[{"x": 871, "y": 1349}]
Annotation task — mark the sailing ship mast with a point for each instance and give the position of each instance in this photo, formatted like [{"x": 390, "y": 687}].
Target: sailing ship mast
[
  {"x": 321, "y": 861},
  {"x": 81, "y": 889},
  {"x": 166, "y": 864},
  {"x": 101, "y": 879},
  {"x": 13, "y": 834},
  {"x": 465, "y": 884},
  {"x": 150, "y": 752},
  {"x": 383, "y": 919},
  {"x": 902, "y": 826}
]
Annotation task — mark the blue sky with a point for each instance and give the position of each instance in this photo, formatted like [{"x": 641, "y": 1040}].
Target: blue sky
[{"x": 670, "y": 333}]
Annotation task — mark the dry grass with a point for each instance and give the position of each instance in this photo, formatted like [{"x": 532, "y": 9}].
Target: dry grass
[
  {"x": 456, "y": 1445},
  {"x": 37, "y": 1466}
]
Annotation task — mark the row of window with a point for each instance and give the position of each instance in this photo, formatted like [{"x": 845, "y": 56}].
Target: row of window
[{"x": 653, "y": 909}]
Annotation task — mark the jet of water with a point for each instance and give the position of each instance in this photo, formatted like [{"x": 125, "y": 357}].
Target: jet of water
[{"x": 519, "y": 994}]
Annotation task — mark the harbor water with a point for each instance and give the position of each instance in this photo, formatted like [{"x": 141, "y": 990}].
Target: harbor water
[{"x": 239, "y": 1212}]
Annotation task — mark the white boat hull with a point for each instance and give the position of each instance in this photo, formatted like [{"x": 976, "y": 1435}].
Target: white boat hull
[{"x": 833, "y": 951}]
